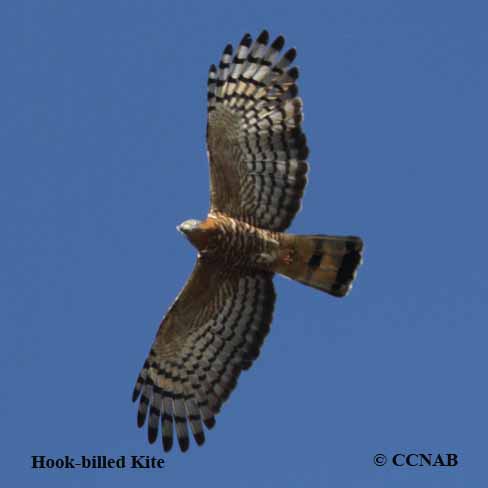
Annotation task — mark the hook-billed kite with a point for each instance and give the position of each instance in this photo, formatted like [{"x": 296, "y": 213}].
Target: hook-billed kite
[{"x": 214, "y": 330}]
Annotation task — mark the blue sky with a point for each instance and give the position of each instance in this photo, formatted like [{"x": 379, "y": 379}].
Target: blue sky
[{"x": 102, "y": 127}]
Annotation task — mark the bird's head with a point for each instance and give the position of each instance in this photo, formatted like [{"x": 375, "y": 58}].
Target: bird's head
[
  {"x": 188, "y": 226},
  {"x": 198, "y": 233},
  {"x": 192, "y": 230}
]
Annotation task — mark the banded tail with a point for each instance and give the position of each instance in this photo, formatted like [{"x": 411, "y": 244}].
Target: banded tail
[{"x": 327, "y": 263}]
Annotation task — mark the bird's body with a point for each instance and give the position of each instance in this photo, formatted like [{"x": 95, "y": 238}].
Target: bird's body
[
  {"x": 240, "y": 246},
  {"x": 258, "y": 171},
  {"x": 235, "y": 244}
]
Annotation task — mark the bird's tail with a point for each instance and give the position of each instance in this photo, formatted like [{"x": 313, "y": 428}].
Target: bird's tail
[{"x": 327, "y": 263}]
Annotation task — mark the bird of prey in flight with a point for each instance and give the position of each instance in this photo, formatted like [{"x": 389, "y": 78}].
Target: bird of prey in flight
[{"x": 257, "y": 153}]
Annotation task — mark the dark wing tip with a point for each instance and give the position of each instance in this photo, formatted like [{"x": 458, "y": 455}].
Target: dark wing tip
[
  {"x": 136, "y": 392},
  {"x": 278, "y": 43},
  {"x": 246, "y": 40},
  {"x": 199, "y": 438},
  {"x": 184, "y": 443},
  {"x": 152, "y": 435},
  {"x": 291, "y": 54},
  {"x": 140, "y": 420},
  {"x": 228, "y": 49},
  {"x": 293, "y": 72},
  {"x": 142, "y": 410},
  {"x": 209, "y": 423},
  {"x": 263, "y": 38},
  {"x": 167, "y": 443}
]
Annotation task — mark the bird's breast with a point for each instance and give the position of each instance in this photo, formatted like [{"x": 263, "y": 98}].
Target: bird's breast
[{"x": 237, "y": 243}]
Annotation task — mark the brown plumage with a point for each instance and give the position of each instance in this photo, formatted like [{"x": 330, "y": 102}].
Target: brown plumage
[
  {"x": 217, "y": 324},
  {"x": 327, "y": 263}
]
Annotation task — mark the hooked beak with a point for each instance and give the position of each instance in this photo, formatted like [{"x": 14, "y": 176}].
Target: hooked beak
[{"x": 178, "y": 228}]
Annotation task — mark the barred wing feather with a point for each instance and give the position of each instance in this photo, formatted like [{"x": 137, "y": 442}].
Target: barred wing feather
[
  {"x": 212, "y": 332},
  {"x": 256, "y": 146}
]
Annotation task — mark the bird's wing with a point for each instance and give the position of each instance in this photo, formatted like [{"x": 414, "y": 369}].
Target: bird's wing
[
  {"x": 212, "y": 332},
  {"x": 255, "y": 143}
]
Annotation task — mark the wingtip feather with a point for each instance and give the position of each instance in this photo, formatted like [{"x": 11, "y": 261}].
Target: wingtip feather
[{"x": 263, "y": 38}]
